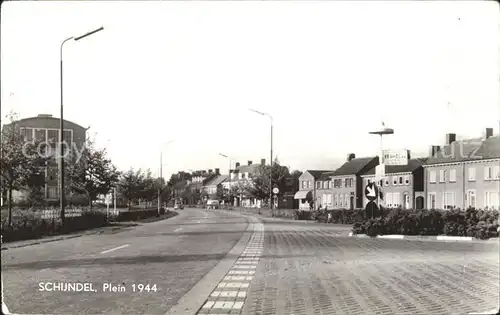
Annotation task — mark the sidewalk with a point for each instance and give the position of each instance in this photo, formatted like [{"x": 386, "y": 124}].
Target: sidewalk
[{"x": 102, "y": 230}]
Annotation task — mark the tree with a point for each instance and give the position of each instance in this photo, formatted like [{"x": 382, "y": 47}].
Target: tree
[
  {"x": 129, "y": 186},
  {"x": 260, "y": 180},
  {"x": 92, "y": 174},
  {"x": 22, "y": 162},
  {"x": 296, "y": 174}
]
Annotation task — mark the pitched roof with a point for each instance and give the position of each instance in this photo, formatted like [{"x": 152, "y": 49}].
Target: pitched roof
[
  {"x": 490, "y": 148},
  {"x": 467, "y": 150},
  {"x": 412, "y": 165},
  {"x": 317, "y": 173},
  {"x": 353, "y": 167},
  {"x": 248, "y": 168},
  {"x": 217, "y": 180}
]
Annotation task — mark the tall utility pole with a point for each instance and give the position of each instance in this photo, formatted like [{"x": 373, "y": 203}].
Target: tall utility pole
[
  {"x": 271, "y": 163},
  {"x": 160, "y": 175},
  {"x": 383, "y": 130},
  {"x": 61, "y": 127}
]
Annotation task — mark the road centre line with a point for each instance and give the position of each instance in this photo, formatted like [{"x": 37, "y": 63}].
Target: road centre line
[
  {"x": 177, "y": 229},
  {"x": 112, "y": 249}
]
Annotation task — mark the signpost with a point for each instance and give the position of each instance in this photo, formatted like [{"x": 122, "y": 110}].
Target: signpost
[
  {"x": 395, "y": 157},
  {"x": 276, "y": 190},
  {"x": 371, "y": 193}
]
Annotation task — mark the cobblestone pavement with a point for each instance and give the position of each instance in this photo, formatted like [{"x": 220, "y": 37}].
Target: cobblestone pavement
[{"x": 305, "y": 270}]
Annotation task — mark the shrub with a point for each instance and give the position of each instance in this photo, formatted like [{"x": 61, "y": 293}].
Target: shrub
[
  {"x": 302, "y": 215},
  {"x": 481, "y": 224}
]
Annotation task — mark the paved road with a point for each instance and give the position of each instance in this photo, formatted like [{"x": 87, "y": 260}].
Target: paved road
[
  {"x": 312, "y": 269},
  {"x": 173, "y": 254}
]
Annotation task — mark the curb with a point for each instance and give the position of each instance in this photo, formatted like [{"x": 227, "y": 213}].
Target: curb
[
  {"x": 194, "y": 299},
  {"x": 436, "y": 238}
]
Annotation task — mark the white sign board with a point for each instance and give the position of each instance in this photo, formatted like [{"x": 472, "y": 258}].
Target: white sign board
[
  {"x": 276, "y": 190},
  {"x": 379, "y": 172},
  {"x": 395, "y": 157}
]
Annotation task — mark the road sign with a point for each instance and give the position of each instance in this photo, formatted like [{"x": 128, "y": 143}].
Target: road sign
[
  {"x": 371, "y": 191},
  {"x": 379, "y": 172},
  {"x": 395, "y": 157},
  {"x": 276, "y": 190}
]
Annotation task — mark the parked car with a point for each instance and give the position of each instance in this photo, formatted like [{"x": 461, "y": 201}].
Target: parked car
[
  {"x": 178, "y": 206},
  {"x": 213, "y": 204}
]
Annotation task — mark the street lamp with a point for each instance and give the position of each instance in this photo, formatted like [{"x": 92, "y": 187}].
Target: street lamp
[
  {"x": 271, "y": 169},
  {"x": 161, "y": 174},
  {"x": 61, "y": 131},
  {"x": 383, "y": 130},
  {"x": 228, "y": 176}
]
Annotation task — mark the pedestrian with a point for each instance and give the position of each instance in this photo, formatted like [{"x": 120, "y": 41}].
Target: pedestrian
[{"x": 329, "y": 217}]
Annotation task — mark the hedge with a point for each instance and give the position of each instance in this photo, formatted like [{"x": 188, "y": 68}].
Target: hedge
[
  {"x": 28, "y": 224},
  {"x": 482, "y": 224}
]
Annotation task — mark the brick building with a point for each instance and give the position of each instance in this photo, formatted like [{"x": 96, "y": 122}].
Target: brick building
[
  {"x": 464, "y": 173},
  {"x": 46, "y": 128}
]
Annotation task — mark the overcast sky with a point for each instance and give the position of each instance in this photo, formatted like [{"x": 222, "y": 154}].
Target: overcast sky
[{"x": 327, "y": 72}]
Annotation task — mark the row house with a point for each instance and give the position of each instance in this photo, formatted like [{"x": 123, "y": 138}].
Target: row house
[
  {"x": 307, "y": 189},
  {"x": 213, "y": 186},
  {"x": 195, "y": 185},
  {"x": 464, "y": 174},
  {"x": 241, "y": 177},
  {"x": 401, "y": 187},
  {"x": 343, "y": 188}
]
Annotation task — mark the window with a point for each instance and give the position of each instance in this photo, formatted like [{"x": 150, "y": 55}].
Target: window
[
  {"x": 52, "y": 192},
  {"x": 453, "y": 175},
  {"x": 394, "y": 180},
  {"x": 52, "y": 173},
  {"x": 329, "y": 200},
  {"x": 242, "y": 175},
  {"x": 448, "y": 200},
  {"x": 491, "y": 200},
  {"x": 52, "y": 137},
  {"x": 67, "y": 137},
  {"x": 471, "y": 198},
  {"x": 388, "y": 200},
  {"x": 336, "y": 200},
  {"x": 400, "y": 180},
  {"x": 431, "y": 200},
  {"x": 27, "y": 133},
  {"x": 472, "y": 174},
  {"x": 496, "y": 172},
  {"x": 326, "y": 184},
  {"x": 380, "y": 183},
  {"x": 407, "y": 179},
  {"x": 40, "y": 134},
  {"x": 346, "y": 200},
  {"x": 432, "y": 176},
  {"x": 340, "y": 183},
  {"x": 396, "y": 199},
  {"x": 308, "y": 184},
  {"x": 488, "y": 172},
  {"x": 351, "y": 181},
  {"x": 303, "y": 184},
  {"x": 318, "y": 185},
  {"x": 341, "y": 201},
  {"x": 323, "y": 200},
  {"x": 386, "y": 182},
  {"x": 442, "y": 176}
]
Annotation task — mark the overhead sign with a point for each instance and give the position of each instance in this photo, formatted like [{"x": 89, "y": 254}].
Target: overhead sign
[
  {"x": 395, "y": 157},
  {"x": 371, "y": 191},
  {"x": 379, "y": 172},
  {"x": 276, "y": 190}
]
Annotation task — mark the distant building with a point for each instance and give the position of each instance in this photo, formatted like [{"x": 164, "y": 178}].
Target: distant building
[
  {"x": 286, "y": 198},
  {"x": 347, "y": 186},
  {"x": 46, "y": 128},
  {"x": 464, "y": 173},
  {"x": 241, "y": 176},
  {"x": 214, "y": 185},
  {"x": 307, "y": 192},
  {"x": 402, "y": 186}
]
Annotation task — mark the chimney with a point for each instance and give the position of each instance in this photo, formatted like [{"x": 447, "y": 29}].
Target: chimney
[
  {"x": 450, "y": 137},
  {"x": 263, "y": 161},
  {"x": 433, "y": 150},
  {"x": 210, "y": 172},
  {"x": 489, "y": 133},
  {"x": 408, "y": 152},
  {"x": 217, "y": 171},
  {"x": 249, "y": 163},
  {"x": 237, "y": 164},
  {"x": 350, "y": 157}
]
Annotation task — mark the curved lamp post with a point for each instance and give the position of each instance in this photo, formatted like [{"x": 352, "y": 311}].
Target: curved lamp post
[
  {"x": 61, "y": 127},
  {"x": 271, "y": 163}
]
